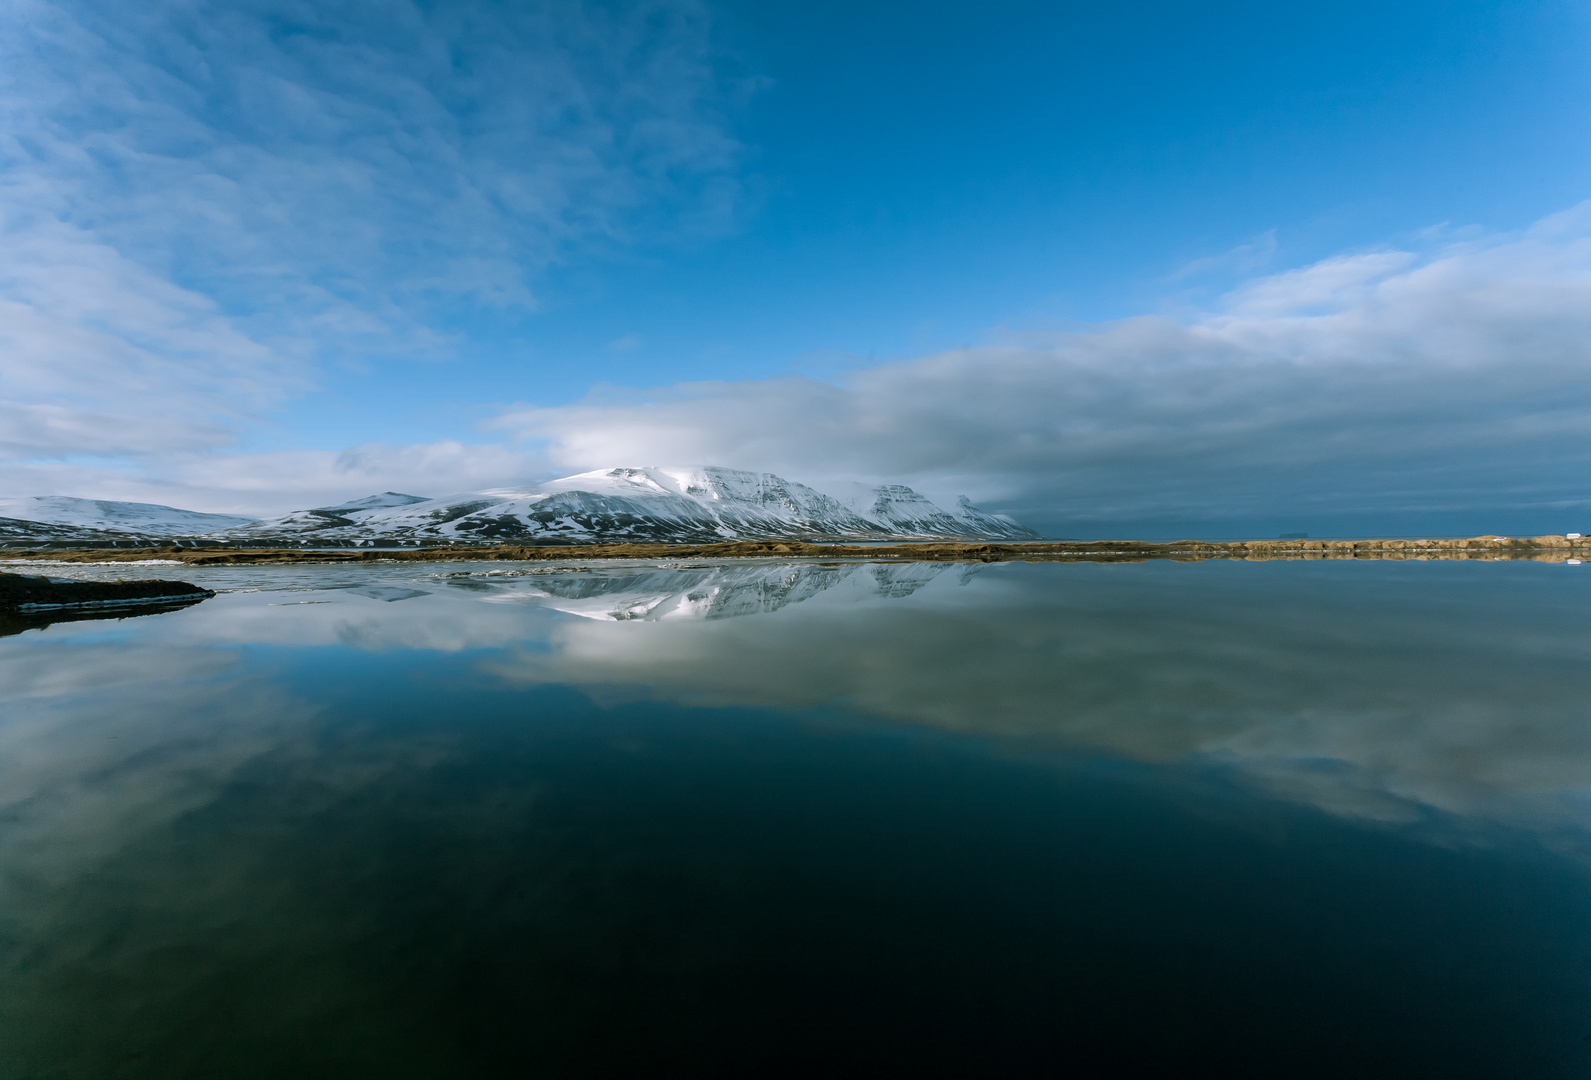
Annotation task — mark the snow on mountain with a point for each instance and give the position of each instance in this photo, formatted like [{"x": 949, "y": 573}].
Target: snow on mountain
[
  {"x": 908, "y": 513},
  {"x": 695, "y": 504},
  {"x": 15, "y": 532},
  {"x": 371, "y": 502},
  {"x": 322, "y": 519},
  {"x": 622, "y": 594},
  {"x": 903, "y": 510},
  {"x": 993, "y": 526},
  {"x": 374, "y": 520},
  {"x": 698, "y": 504},
  {"x": 144, "y": 519}
]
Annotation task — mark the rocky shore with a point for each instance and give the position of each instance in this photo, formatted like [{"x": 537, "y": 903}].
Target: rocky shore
[
  {"x": 25, "y": 594},
  {"x": 1550, "y": 548}
]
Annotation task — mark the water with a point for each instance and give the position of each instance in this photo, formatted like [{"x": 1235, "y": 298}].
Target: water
[{"x": 466, "y": 820}]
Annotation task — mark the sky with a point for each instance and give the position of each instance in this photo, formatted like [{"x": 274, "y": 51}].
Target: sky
[{"x": 1154, "y": 269}]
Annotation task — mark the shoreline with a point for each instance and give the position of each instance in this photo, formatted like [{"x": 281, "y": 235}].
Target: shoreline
[
  {"x": 31, "y": 596},
  {"x": 1551, "y": 548}
]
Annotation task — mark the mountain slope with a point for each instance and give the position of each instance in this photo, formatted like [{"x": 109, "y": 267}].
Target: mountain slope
[
  {"x": 989, "y": 526},
  {"x": 626, "y": 594},
  {"x": 16, "y": 532},
  {"x": 635, "y": 505},
  {"x": 147, "y": 519},
  {"x": 372, "y": 502}
]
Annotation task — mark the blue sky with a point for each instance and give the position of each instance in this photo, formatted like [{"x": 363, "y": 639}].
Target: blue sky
[{"x": 1155, "y": 268}]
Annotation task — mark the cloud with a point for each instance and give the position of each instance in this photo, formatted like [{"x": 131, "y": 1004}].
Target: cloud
[
  {"x": 1243, "y": 259},
  {"x": 101, "y": 356},
  {"x": 352, "y": 162},
  {"x": 271, "y": 483},
  {"x": 202, "y": 202},
  {"x": 1452, "y": 380},
  {"x": 1380, "y": 704}
]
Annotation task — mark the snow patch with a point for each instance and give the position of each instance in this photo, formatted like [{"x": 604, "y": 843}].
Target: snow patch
[
  {"x": 673, "y": 504},
  {"x": 116, "y": 516}
]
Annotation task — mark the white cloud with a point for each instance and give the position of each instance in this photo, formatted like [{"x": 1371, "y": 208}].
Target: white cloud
[
  {"x": 1372, "y": 384},
  {"x": 351, "y": 163},
  {"x": 200, "y": 202},
  {"x": 265, "y": 484},
  {"x": 101, "y": 356},
  {"x": 1243, "y": 259}
]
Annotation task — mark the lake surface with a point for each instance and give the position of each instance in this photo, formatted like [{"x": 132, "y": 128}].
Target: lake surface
[{"x": 1285, "y": 819}]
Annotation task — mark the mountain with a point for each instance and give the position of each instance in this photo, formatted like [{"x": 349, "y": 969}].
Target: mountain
[
  {"x": 17, "y": 532},
  {"x": 626, "y": 594},
  {"x": 61, "y": 519},
  {"x": 907, "y": 513},
  {"x": 371, "y": 502},
  {"x": 990, "y": 526},
  {"x": 700, "y": 504},
  {"x": 322, "y": 520},
  {"x": 130, "y": 517}
]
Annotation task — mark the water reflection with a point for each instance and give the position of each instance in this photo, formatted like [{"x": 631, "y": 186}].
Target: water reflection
[
  {"x": 623, "y": 594},
  {"x": 313, "y": 800},
  {"x": 1372, "y": 690},
  {"x": 13, "y": 622}
]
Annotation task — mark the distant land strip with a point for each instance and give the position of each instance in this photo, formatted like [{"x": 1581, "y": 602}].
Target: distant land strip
[{"x": 1551, "y": 548}]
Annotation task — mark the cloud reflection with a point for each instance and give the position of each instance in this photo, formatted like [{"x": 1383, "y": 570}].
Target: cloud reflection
[
  {"x": 1381, "y": 691},
  {"x": 1361, "y": 690},
  {"x": 1427, "y": 694}
]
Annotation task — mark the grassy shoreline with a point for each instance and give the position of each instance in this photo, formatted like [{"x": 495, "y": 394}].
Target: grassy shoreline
[{"x": 1551, "y": 548}]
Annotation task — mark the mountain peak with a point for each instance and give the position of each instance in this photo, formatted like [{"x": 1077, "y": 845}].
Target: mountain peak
[
  {"x": 650, "y": 504},
  {"x": 372, "y": 502},
  {"x": 145, "y": 519}
]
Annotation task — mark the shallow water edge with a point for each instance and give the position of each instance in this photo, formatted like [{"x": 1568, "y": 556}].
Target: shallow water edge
[{"x": 1547, "y": 548}]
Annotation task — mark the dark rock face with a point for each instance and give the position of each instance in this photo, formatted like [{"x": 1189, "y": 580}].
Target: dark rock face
[{"x": 24, "y": 593}]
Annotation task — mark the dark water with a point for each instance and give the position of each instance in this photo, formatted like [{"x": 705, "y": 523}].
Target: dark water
[{"x": 1239, "y": 820}]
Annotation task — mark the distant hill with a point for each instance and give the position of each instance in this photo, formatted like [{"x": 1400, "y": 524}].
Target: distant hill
[
  {"x": 64, "y": 519},
  {"x": 694, "y": 504}
]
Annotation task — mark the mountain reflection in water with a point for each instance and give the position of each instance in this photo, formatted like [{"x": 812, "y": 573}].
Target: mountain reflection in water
[
  {"x": 444, "y": 820},
  {"x": 697, "y": 592}
]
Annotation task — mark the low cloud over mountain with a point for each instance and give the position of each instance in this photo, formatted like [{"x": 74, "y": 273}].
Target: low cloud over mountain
[
  {"x": 1448, "y": 383},
  {"x": 696, "y": 504}
]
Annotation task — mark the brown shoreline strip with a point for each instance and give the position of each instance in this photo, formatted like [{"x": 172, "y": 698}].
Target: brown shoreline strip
[{"x": 1550, "y": 548}]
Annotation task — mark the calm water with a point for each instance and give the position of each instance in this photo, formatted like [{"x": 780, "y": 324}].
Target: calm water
[{"x": 1246, "y": 820}]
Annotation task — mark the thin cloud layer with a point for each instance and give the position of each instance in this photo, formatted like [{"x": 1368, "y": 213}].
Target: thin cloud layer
[
  {"x": 265, "y": 484},
  {"x": 1438, "y": 384},
  {"x": 201, "y": 202},
  {"x": 104, "y": 357}
]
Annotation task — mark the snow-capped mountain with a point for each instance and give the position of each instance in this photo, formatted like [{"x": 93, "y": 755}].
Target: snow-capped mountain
[
  {"x": 907, "y": 513},
  {"x": 383, "y": 501},
  {"x": 15, "y": 532},
  {"x": 621, "y": 594},
  {"x": 130, "y": 517},
  {"x": 323, "y": 519},
  {"x": 699, "y": 504},
  {"x": 61, "y": 519}
]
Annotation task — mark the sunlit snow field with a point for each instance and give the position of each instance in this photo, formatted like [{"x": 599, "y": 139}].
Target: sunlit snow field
[{"x": 1299, "y": 819}]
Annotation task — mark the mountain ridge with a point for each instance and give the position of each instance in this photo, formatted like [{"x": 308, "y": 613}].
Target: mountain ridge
[{"x": 691, "y": 504}]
